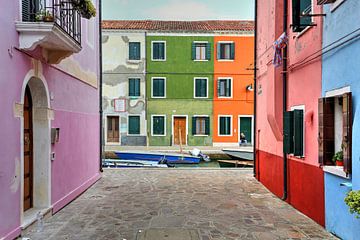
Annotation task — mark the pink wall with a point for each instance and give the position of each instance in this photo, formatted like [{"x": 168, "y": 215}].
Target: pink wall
[
  {"x": 305, "y": 178},
  {"x": 76, "y": 112}
]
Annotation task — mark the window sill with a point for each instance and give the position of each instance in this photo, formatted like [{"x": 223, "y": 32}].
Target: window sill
[
  {"x": 133, "y": 61},
  {"x": 225, "y": 60},
  {"x": 201, "y": 97},
  {"x": 335, "y": 170},
  {"x": 158, "y": 97},
  {"x": 158, "y": 135},
  {"x": 225, "y": 135},
  {"x": 200, "y": 60},
  {"x": 158, "y": 60},
  {"x": 225, "y": 97},
  {"x": 200, "y": 135},
  {"x": 303, "y": 32}
]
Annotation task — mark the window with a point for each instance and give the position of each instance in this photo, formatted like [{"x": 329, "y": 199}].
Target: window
[
  {"x": 113, "y": 129},
  {"x": 201, "y": 51},
  {"x": 134, "y": 87},
  {"x": 134, "y": 125},
  {"x": 335, "y": 129},
  {"x": 201, "y": 125},
  {"x": 158, "y": 125},
  {"x": 158, "y": 51},
  {"x": 226, "y": 51},
  {"x": 225, "y": 125},
  {"x": 201, "y": 87},
  {"x": 224, "y": 87},
  {"x": 294, "y": 131},
  {"x": 158, "y": 87},
  {"x": 134, "y": 51},
  {"x": 301, "y": 8}
]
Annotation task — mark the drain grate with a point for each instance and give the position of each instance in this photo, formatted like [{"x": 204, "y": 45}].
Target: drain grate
[{"x": 168, "y": 234}]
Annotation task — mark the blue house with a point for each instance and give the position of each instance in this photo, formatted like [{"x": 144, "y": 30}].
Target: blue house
[{"x": 339, "y": 118}]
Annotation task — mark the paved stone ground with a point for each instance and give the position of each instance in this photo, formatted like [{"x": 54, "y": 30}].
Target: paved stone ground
[{"x": 218, "y": 204}]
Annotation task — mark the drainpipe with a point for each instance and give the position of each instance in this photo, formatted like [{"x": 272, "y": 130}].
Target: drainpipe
[
  {"x": 284, "y": 75},
  {"x": 100, "y": 87},
  {"x": 255, "y": 74}
]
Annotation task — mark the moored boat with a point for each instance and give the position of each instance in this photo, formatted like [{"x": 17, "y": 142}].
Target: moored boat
[
  {"x": 170, "y": 158},
  {"x": 239, "y": 153},
  {"x": 115, "y": 163},
  {"x": 235, "y": 164}
]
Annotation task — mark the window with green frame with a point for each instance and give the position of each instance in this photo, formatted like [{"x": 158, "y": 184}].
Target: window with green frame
[
  {"x": 158, "y": 51},
  {"x": 134, "y": 87},
  {"x": 300, "y": 10},
  {"x": 201, "y": 51},
  {"x": 134, "y": 51},
  {"x": 294, "y": 132},
  {"x": 158, "y": 125},
  {"x": 224, "y": 87},
  {"x": 225, "y": 125},
  {"x": 226, "y": 51},
  {"x": 158, "y": 87},
  {"x": 134, "y": 125},
  {"x": 201, "y": 85},
  {"x": 200, "y": 126}
]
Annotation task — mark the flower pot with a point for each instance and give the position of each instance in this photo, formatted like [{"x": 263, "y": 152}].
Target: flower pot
[
  {"x": 48, "y": 18},
  {"x": 339, "y": 163}
]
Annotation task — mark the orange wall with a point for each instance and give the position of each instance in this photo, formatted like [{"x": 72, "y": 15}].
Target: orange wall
[{"x": 242, "y": 102}]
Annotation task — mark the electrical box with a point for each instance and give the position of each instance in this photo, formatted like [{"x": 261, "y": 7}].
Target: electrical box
[{"x": 55, "y": 135}]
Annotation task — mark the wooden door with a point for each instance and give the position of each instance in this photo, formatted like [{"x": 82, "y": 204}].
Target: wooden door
[
  {"x": 28, "y": 151},
  {"x": 113, "y": 129},
  {"x": 179, "y": 130}
]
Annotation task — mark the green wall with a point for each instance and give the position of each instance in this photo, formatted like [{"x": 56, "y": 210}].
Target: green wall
[{"x": 179, "y": 70}]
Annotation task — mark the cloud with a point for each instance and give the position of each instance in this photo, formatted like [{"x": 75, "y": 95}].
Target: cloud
[{"x": 182, "y": 10}]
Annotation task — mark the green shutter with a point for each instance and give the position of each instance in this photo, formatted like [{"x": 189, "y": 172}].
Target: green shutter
[
  {"x": 193, "y": 51},
  {"x": 134, "y": 125},
  {"x": 131, "y": 87},
  {"x": 26, "y": 10},
  {"x": 222, "y": 125},
  {"x": 304, "y": 6},
  {"x": 161, "y": 51},
  {"x": 158, "y": 125},
  {"x": 299, "y": 23},
  {"x": 218, "y": 54},
  {"x": 232, "y": 51},
  {"x": 194, "y": 125},
  {"x": 288, "y": 123},
  {"x": 298, "y": 133},
  {"x": 228, "y": 88},
  {"x": 203, "y": 87},
  {"x": 158, "y": 87},
  {"x": 218, "y": 87},
  {"x": 208, "y": 51},
  {"x": 155, "y": 51},
  {"x": 137, "y": 87},
  {"x": 197, "y": 88},
  {"x": 207, "y": 126}
]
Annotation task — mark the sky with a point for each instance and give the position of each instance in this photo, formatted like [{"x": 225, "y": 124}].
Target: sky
[{"x": 178, "y": 9}]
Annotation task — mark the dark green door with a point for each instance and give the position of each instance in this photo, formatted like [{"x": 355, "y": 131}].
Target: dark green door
[{"x": 246, "y": 128}]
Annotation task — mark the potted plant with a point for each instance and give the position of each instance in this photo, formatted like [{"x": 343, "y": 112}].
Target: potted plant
[
  {"x": 48, "y": 17},
  {"x": 338, "y": 158},
  {"x": 39, "y": 16},
  {"x": 85, "y": 7},
  {"x": 44, "y": 16},
  {"x": 352, "y": 199}
]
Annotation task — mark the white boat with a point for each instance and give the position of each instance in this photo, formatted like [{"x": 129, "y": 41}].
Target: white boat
[{"x": 246, "y": 154}]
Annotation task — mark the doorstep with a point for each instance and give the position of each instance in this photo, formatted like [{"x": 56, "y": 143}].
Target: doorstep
[{"x": 30, "y": 216}]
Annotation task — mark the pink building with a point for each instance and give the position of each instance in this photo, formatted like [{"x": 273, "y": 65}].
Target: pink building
[
  {"x": 298, "y": 82},
  {"x": 49, "y": 88}
]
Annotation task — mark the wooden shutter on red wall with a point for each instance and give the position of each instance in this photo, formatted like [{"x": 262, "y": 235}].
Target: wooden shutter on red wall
[
  {"x": 347, "y": 131},
  {"x": 326, "y": 130}
]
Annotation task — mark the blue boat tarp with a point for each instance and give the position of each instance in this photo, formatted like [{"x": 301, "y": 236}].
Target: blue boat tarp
[{"x": 171, "y": 158}]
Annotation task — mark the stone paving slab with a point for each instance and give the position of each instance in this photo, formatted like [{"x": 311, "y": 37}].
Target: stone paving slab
[{"x": 217, "y": 204}]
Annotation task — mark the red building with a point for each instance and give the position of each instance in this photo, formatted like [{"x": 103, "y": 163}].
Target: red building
[{"x": 287, "y": 103}]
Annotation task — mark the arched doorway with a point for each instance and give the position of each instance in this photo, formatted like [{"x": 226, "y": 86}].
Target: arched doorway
[{"x": 36, "y": 163}]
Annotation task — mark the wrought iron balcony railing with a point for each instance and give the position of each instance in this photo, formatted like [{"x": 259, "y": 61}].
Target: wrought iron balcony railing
[{"x": 61, "y": 12}]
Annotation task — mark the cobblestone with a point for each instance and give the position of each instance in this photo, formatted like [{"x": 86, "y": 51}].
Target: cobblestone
[{"x": 218, "y": 204}]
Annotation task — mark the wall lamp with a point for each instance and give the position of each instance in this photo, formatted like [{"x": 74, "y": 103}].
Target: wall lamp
[{"x": 249, "y": 88}]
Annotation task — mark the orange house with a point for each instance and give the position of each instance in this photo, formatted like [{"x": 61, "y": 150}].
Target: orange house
[{"x": 233, "y": 89}]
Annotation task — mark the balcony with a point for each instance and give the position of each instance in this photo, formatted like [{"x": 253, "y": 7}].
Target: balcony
[{"x": 52, "y": 25}]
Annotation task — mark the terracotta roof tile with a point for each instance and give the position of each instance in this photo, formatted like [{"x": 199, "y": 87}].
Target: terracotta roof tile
[{"x": 191, "y": 26}]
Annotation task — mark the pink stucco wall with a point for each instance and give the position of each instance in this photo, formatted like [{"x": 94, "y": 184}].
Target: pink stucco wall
[
  {"x": 76, "y": 113},
  {"x": 303, "y": 88}
]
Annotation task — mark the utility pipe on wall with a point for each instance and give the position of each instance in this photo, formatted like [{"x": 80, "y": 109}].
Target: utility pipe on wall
[
  {"x": 255, "y": 87},
  {"x": 100, "y": 87}
]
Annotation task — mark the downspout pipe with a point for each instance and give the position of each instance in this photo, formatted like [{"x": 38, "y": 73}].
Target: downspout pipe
[
  {"x": 100, "y": 86},
  {"x": 284, "y": 76},
  {"x": 255, "y": 87}
]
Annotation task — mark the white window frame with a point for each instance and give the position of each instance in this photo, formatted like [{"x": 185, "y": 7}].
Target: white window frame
[
  {"x": 232, "y": 87},
  {"x": 224, "y": 60},
  {"x": 152, "y": 125},
  {"x": 204, "y": 116},
  {"x": 336, "y": 4},
  {"x": 301, "y": 107},
  {"x": 128, "y": 52},
  {"x": 152, "y": 87},
  {"x": 207, "y": 87},
  {"x": 106, "y": 130},
  {"x": 152, "y": 51},
  {"x": 172, "y": 128},
  {"x": 128, "y": 83},
  {"x": 201, "y": 42},
  {"x": 133, "y": 115},
  {"x": 231, "y": 126},
  {"x": 252, "y": 127}
]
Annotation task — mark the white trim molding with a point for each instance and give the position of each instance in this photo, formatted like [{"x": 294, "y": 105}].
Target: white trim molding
[
  {"x": 152, "y": 126},
  {"x": 152, "y": 51},
  {"x": 231, "y": 84},
  {"x": 231, "y": 126},
  {"x": 207, "y": 87}
]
